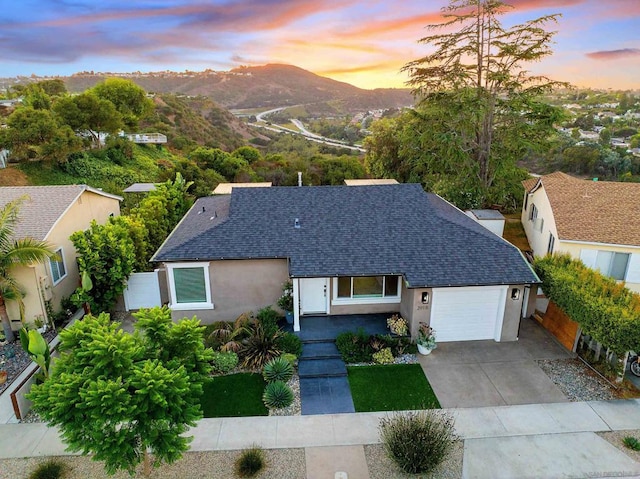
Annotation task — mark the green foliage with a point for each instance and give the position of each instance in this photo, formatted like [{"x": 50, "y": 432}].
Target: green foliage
[
  {"x": 290, "y": 343},
  {"x": 89, "y": 113},
  {"x": 129, "y": 99},
  {"x": 234, "y": 395},
  {"x": 37, "y": 348},
  {"x": 121, "y": 396},
  {"x": 224, "y": 362},
  {"x": 603, "y": 308},
  {"x": 632, "y": 443},
  {"x": 277, "y": 369},
  {"x": 107, "y": 254},
  {"x": 418, "y": 441},
  {"x": 50, "y": 469},
  {"x": 277, "y": 395},
  {"x": 260, "y": 346},
  {"x": 247, "y": 153},
  {"x": 250, "y": 462},
  {"x": 291, "y": 358},
  {"x": 285, "y": 301},
  {"x": 269, "y": 320},
  {"x": 354, "y": 347},
  {"x": 384, "y": 356}
]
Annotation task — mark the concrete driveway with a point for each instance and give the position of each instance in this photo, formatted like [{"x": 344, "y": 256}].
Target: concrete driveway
[{"x": 487, "y": 373}]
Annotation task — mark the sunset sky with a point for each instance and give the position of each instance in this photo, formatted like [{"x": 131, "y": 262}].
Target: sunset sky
[{"x": 363, "y": 42}]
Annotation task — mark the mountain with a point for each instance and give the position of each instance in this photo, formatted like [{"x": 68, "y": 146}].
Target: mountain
[{"x": 271, "y": 85}]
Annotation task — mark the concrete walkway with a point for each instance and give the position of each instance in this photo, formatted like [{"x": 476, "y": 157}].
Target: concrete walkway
[{"x": 555, "y": 440}]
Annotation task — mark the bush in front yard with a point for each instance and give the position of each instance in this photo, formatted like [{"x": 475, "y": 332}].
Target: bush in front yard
[
  {"x": 224, "y": 363},
  {"x": 269, "y": 319},
  {"x": 50, "y": 469},
  {"x": 355, "y": 347},
  {"x": 277, "y": 395},
  {"x": 418, "y": 441},
  {"x": 290, "y": 343},
  {"x": 278, "y": 369},
  {"x": 250, "y": 462},
  {"x": 383, "y": 356}
]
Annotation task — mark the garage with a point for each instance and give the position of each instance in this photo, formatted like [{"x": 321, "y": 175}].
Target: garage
[{"x": 469, "y": 313}]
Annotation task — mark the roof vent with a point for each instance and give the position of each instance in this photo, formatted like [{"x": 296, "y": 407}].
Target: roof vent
[
  {"x": 200, "y": 212},
  {"x": 299, "y": 178},
  {"x": 296, "y": 223}
]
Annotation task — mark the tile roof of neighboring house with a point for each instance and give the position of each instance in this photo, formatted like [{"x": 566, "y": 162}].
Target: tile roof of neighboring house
[
  {"x": 592, "y": 211},
  {"x": 347, "y": 231},
  {"x": 43, "y": 206}
]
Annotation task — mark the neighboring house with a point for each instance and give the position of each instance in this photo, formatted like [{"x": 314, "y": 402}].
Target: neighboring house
[
  {"x": 348, "y": 250},
  {"x": 52, "y": 214},
  {"x": 596, "y": 221}
]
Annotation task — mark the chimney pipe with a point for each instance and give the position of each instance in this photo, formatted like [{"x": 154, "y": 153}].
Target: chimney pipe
[{"x": 299, "y": 178}]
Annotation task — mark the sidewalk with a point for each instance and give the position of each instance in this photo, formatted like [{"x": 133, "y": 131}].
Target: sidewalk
[{"x": 536, "y": 440}]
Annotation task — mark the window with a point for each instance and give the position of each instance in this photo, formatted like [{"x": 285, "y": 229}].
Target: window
[
  {"x": 58, "y": 270},
  {"x": 612, "y": 264},
  {"x": 533, "y": 213},
  {"x": 366, "y": 287},
  {"x": 552, "y": 242},
  {"x": 190, "y": 287}
]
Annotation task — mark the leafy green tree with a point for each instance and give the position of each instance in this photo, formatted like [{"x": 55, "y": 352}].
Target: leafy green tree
[
  {"x": 485, "y": 107},
  {"x": 605, "y": 137},
  {"x": 15, "y": 253},
  {"x": 87, "y": 113},
  {"x": 107, "y": 254},
  {"x": 127, "y": 398},
  {"x": 247, "y": 153},
  {"x": 36, "y": 134},
  {"x": 53, "y": 88},
  {"x": 336, "y": 170},
  {"x": 128, "y": 98},
  {"x": 35, "y": 96}
]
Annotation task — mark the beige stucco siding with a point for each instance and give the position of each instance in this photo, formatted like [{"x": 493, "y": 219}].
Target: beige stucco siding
[
  {"x": 539, "y": 240},
  {"x": 37, "y": 278},
  {"x": 574, "y": 249},
  {"x": 512, "y": 313},
  {"x": 240, "y": 286}
]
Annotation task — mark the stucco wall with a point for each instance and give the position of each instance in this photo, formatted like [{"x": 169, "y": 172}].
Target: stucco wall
[
  {"x": 421, "y": 312},
  {"x": 539, "y": 240},
  {"x": 240, "y": 286},
  {"x": 512, "y": 314},
  {"x": 574, "y": 250}
]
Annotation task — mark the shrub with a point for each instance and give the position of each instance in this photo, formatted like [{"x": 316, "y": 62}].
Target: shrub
[
  {"x": 417, "y": 441},
  {"x": 269, "y": 319},
  {"x": 290, "y": 343},
  {"x": 250, "y": 462},
  {"x": 632, "y": 443},
  {"x": 383, "y": 356},
  {"x": 224, "y": 362},
  {"x": 278, "y": 369},
  {"x": 354, "y": 347},
  {"x": 260, "y": 348},
  {"x": 277, "y": 395},
  {"x": 291, "y": 358},
  {"x": 51, "y": 469}
]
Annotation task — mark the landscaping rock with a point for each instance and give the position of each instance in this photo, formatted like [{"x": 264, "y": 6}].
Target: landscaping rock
[{"x": 577, "y": 381}]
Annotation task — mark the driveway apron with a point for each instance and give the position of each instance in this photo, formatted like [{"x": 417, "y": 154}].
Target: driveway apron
[{"x": 488, "y": 373}]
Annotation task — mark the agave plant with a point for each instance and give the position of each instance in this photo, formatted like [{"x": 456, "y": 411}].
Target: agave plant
[
  {"x": 278, "y": 369},
  {"x": 277, "y": 395}
]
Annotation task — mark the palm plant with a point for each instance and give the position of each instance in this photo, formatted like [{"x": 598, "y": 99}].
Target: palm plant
[
  {"x": 229, "y": 336},
  {"x": 15, "y": 252}
]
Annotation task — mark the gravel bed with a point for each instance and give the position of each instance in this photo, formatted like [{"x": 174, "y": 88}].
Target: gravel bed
[
  {"x": 577, "y": 381},
  {"x": 382, "y": 467},
  {"x": 404, "y": 359},
  {"x": 281, "y": 464},
  {"x": 296, "y": 407},
  {"x": 616, "y": 437},
  {"x": 14, "y": 360}
]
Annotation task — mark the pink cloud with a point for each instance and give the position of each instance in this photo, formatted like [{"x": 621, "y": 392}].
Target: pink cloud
[{"x": 614, "y": 54}]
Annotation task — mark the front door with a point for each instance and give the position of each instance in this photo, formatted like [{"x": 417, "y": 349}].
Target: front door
[{"x": 313, "y": 295}]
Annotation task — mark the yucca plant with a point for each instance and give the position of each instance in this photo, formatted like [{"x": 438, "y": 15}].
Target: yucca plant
[
  {"x": 277, "y": 395},
  {"x": 260, "y": 347},
  {"x": 278, "y": 369}
]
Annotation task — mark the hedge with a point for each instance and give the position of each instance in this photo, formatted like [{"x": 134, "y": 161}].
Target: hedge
[{"x": 605, "y": 309}]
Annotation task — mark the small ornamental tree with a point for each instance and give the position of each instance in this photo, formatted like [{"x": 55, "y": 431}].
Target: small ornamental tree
[
  {"x": 126, "y": 398},
  {"x": 107, "y": 254}
]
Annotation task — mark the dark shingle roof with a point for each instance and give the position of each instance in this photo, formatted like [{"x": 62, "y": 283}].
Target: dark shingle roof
[{"x": 369, "y": 230}]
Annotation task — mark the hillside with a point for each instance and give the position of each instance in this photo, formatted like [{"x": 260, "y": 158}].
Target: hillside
[{"x": 255, "y": 87}]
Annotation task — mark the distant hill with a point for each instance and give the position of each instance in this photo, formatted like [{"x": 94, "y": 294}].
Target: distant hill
[{"x": 254, "y": 87}]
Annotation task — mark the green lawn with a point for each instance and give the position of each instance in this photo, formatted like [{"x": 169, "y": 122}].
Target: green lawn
[
  {"x": 234, "y": 395},
  {"x": 393, "y": 387}
]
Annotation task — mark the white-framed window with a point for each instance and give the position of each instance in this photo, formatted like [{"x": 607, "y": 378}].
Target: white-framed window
[
  {"x": 190, "y": 286},
  {"x": 58, "y": 268},
  {"x": 552, "y": 243},
  {"x": 533, "y": 213},
  {"x": 366, "y": 289},
  {"x": 612, "y": 264}
]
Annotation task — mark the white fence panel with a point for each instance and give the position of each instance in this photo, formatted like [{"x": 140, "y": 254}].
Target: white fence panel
[{"x": 143, "y": 291}]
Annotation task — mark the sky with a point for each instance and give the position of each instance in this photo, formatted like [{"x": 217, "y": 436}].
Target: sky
[{"x": 362, "y": 42}]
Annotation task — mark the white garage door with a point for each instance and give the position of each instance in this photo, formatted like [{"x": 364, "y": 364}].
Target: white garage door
[{"x": 465, "y": 314}]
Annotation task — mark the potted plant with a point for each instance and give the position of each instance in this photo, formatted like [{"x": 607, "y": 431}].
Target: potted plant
[
  {"x": 398, "y": 325},
  {"x": 426, "y": 340},
  {"x": 285, "y": 302}
]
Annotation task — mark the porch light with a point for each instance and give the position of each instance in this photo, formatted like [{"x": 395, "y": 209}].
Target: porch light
[
  {"x": 425, "y": 297},
  {"x": 515, "y": 293}
]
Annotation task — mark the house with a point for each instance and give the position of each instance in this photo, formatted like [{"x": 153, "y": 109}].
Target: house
[
  {"x": 52, "y": 214},
  {"x": 348, "y": 250},
  {"x": 596, "y": 221}
]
